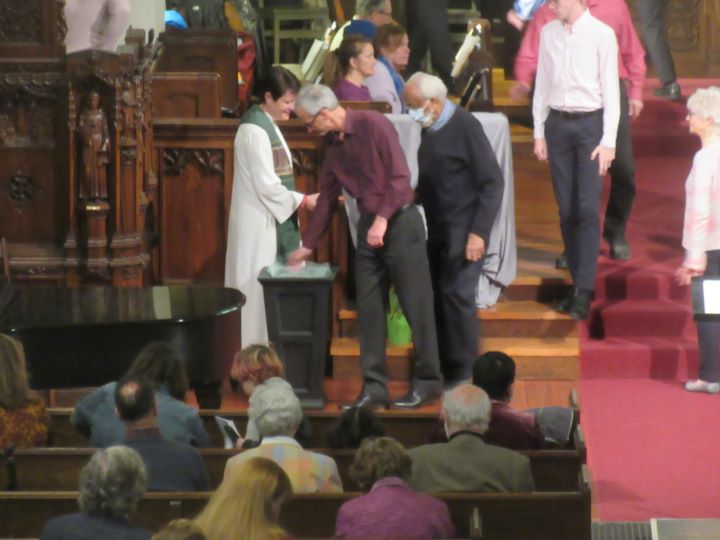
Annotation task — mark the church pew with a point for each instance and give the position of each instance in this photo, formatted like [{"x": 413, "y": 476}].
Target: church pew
[
  {"x": 411, "y": 428},
  {"x": 530, "y": 516},
  {"x": 42, "y": 469}
]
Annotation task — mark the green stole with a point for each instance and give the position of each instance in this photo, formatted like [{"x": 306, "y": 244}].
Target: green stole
[{"x": 288, "y": 232}]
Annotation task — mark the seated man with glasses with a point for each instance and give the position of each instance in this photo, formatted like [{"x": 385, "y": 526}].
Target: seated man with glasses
[{"x": 369, "y": 15}]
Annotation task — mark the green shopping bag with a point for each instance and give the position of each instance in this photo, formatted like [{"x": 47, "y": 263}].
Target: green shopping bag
[{"x": 398, "y": 329}]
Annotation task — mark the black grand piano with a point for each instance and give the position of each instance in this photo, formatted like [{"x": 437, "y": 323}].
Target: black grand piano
[{"x": 89, "y": 336}]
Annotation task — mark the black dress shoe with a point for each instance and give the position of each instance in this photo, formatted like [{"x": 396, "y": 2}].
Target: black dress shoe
[
  {"x": 368, "y": 401},
  {"x": 580, "y": 308},
  {"x": 415, "y": 399},
  {"x": 669, "y": 91},
  {"x": 619, "y": 248},
  {"x": 561, "y": 261},
  {"x": 565, "y": 303}
]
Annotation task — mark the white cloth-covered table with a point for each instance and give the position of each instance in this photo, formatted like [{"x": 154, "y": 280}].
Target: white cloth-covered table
[{"x": 500, "y": 267}]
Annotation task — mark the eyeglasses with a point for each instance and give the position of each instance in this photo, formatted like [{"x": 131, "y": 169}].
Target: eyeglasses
[{"x": 309, "y": 123}]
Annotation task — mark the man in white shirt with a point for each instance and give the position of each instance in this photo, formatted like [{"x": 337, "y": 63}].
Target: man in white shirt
[{"x": 576, "y": 109}]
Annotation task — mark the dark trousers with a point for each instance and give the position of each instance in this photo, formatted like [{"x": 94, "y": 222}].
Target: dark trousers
[
  {"x": 454, "y": 281},
  {"x": 651, "y": 15},
  {"x": 403, "y": 263},
  {"x": 708, "y": 330},
  {"x": 428, "y": 27},
  {"x": 577, "y": 187},
  {"x": 622, "y": 176}
]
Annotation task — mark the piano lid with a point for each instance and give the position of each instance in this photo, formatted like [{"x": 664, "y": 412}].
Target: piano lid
[{"x": 47, "y": 306}]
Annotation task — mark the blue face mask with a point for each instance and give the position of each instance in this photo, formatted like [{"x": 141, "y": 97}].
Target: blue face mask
[{"x": 420, "y": 116}]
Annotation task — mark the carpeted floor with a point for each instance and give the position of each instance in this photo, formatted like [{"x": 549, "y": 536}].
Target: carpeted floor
[{"x": 651, "y": 444}]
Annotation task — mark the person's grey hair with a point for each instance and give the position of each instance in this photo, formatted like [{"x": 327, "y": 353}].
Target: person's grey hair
[
  {"x": 429, "y": 86},
  {"x": 313, "y": 98},
  {"x": 112, "y": 483},
  {"x": 368, "y": 7},
  {"x": 467, "y": 408},
  {"x": 705, "y": 102},
  {"x": 275, "y": 409}
]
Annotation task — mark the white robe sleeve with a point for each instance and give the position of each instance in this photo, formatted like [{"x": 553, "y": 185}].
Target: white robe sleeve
[{"x": 253, "y": 148}]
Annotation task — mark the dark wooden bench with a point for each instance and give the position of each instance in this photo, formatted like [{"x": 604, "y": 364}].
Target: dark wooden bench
[
  {"x": 42, "y": 469},
  {"x": 411, "y": 428},
  {"x": 527, "y": 516}
]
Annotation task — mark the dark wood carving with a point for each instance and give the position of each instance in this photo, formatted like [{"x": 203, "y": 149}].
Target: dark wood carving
[
  {"x": 176, "y": 159},
  {"x": 21, "y": 21},
  {"x": 21, "y": 189}
]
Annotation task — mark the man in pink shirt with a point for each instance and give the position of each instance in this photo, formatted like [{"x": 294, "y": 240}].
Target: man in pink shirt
[{"x": 631, "y": 69}]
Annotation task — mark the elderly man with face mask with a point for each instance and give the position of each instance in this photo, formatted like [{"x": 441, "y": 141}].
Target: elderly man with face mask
[{"x": 460, "y": 185}]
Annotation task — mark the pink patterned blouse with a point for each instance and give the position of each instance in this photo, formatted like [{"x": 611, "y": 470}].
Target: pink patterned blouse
[{"x": 701, "y": 232}]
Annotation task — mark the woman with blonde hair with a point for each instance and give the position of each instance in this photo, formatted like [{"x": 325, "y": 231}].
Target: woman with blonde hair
[
  {"x": 24, "y": 421},
  {"x": 348, "y": 66},
  {"x": 247, "y": 504},
  {"x": 701, "y": 231}
]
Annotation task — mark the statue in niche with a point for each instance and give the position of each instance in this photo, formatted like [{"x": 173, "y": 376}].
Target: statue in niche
[{"x": 95, "y": 141}]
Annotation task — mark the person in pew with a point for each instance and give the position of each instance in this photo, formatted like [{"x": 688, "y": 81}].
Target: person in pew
[
  {"x": 494, "y": 372},
  {"x": 180, "y": 529},
  {"x": 24, "y": 421},
  {"x": 369, "y": 15},
  {"x": 466, "y": 462},
  {"x": 94, "y": 415},
  {"x": 389, "y": 509},
  {"x": 354, "y": 426},
  {"x": 347, "y": 68},
  {"x": 171, "y": 465},
  {"x": 275, "y": 410},
  {"x": 248, "y": 503},
  {"x": 363, "y": 155},
  {"x": 263, "y": 225},
  {"x": 392, "y": 53},
  {"x": 111, "y": 485},
  {"x": 460, "y": 186},
  {"x": 255, "y": 365},
  {"x": 98, "y": 24},
  {"x": 701, "y": 229}
]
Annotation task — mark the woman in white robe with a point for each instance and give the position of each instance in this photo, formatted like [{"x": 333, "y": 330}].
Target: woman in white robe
[{"x": 260, "y": 200}]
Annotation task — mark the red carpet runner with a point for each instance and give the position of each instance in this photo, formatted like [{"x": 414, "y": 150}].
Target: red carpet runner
[{"x": 652, "y": 446}]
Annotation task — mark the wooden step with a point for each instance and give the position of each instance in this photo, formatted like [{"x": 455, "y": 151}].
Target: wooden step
[
  {"x": 536, "y": 358},
  {"x": 512, "y": 318}
]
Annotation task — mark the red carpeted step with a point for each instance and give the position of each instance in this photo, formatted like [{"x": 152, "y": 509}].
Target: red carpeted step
[
  {"x": 640, "y": 318},
  {"x": 648, "y": 357}
]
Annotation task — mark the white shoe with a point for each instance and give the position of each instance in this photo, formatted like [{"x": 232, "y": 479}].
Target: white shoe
[{"x": 702, "y": 386}]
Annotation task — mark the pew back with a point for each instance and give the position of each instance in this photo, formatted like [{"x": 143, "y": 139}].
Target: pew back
[
  {"x": 530, "y": 516},
  {"x": 52, "y": 469}
]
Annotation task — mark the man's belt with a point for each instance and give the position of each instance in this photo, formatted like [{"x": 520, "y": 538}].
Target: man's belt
[{"x": 574, "y": 115}]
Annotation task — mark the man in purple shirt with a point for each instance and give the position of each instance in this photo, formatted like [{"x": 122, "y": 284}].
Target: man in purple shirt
[{"x": 364, "y": 156}]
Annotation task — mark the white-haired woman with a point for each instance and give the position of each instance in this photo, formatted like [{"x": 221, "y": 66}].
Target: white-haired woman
[{"x": 701, "y": 231}]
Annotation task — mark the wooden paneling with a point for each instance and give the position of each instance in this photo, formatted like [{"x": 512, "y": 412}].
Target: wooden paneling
[
  {"x": 196, "y": 172},
  {"x": 186, "y": 95},
  {"x": 203, "y": 50}
]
